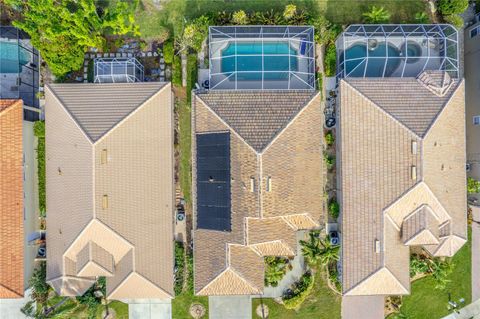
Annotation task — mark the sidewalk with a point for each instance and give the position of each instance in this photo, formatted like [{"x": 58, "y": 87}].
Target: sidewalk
[{"x": 467, "y": 312}]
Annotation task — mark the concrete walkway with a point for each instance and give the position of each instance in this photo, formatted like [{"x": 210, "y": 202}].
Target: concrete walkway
[
  {"x": 231, "y": 307},
  {"x": 475, "y": 253},
  {"x": 149, "y": 309},
  {"x": 467, "y": 312},
  {"x": 291, "y": 276},
  {"x": 363, "y": 307}
]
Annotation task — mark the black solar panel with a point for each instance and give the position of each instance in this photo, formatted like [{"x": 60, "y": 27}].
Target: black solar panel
[{"x": 213, "y": 181}]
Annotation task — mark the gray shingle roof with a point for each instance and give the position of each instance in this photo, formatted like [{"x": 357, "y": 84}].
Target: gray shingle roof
[
  {"x": 98, "y": 107},
  {"x": 394, "y": 95},
  {"x": 257, "y": 116}
]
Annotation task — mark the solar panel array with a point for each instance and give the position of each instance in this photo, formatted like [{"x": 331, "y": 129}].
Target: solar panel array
[{"x": 213, "y": 181}]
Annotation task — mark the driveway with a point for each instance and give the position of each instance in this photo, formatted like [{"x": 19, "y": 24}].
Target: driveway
[
  {"x": 363, "y": 307},
  {"x": 149, "y": 309},
  {"x": 231, "y": 307}
]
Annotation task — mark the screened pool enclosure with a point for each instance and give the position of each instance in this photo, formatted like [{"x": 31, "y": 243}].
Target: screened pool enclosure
[
  {"x": 397, "y": 50},
  {"x": 118, "y": 70},
  {"x": 261, "y": 57}
]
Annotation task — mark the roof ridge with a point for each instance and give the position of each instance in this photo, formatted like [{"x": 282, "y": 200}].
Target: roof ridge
[{"x": 388, "y": 114}]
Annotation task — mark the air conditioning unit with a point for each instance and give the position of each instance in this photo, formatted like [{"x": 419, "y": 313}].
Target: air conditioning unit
[{"x": 467, "y": 167}]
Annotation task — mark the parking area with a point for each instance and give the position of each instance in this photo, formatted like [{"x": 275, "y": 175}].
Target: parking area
[{"x": 147, "y": 309}]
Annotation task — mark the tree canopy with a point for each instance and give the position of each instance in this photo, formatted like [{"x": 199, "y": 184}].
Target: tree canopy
[{"x": 63, "y": 30}]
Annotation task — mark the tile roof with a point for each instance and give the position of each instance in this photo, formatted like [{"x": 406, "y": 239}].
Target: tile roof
[
  {"x": 103, "y": 182},
  {"x": 11, "y": 199},
  {"x": 97, "y": 108},
  {"x": 257, "y": 116},
  {"x": 400, "y": 97},
  {"x": 263, "y": 223},
  {"x": 401, "y": 150}
]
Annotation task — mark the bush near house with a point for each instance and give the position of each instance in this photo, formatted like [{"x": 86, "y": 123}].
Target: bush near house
[
  {"x": 168, "y": 51},
  {"x": 329, "y": 138},
  {"x": 39, "y": 132},
  {"x": 240, "y": 17},
  {"x": 473, "y": 186},
  {"x": 177, "y": 71},
  {"x": 299, "y": 291},
  {"x": 330, "y": 60},
  {"x": 179, "y": 268},
  {"x": 333, "y": 208},
  {"x": 275, "y": 269},
  {"x": 455, "y": 20},
  {"x": 447, "y": 7},
  {"x": 192, "y": 71},
  {"x": 329, "y": 160}
]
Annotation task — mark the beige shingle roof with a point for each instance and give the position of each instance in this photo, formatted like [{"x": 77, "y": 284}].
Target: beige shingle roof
[
  {"x": 11, "y": 199},
  {"x": 274, "y": 135},
  {"x": 110, "y": 190},
  {"x": 257, "y": 116},
  {"x": 117, "y": 100},
  {"x": 401, "y": 149}
]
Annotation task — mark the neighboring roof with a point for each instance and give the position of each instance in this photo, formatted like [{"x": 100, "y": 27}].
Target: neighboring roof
[
  {"x": 274, "y": 137},
  {"x": 98, "y": 108},
  {"x": 110, "y": 200},
  {"x": 257, "y": 116},
  {"x": 11, "y": 199},
  {"x": 402, "y": 172}
]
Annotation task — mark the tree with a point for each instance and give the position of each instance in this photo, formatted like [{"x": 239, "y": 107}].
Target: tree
[
  {"x": 275, "y": 269},
  {"x": 311, "y": 248},
  {"x": 376, "y": 15},
  {"x": 329, "y": 253},
  {"x": 63, "y": 30},
  {"x": 455, "y": 20},
  {"x": 240, "y": 17},
  {"x": 193, "y": 35},
  {"x": 473, "y": 186},
  {"x": 325, "y": 31},
  {"x": 39, "y": 285},
  {"x": 422, "y": 17},
  {"x": 447, "y": 7},
  {"x": 440, "y": 271}
]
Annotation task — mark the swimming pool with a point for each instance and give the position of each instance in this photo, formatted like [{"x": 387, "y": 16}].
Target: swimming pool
[
  {"x": 377, "y": 60},
  {"x": 246, "y": 57},
  {"x": 12, "y": 57}
]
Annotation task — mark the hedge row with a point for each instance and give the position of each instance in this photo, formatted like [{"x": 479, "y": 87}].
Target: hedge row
[{"x": 39, "y": 132}]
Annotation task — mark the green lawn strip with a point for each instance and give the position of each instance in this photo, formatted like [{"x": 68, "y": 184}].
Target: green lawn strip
[
  {"x": 350, "y": 11},
  {"x": 427, "y": 302},
  {"x": 185, "y": 142},
  {"x": 120, "y": 309},
  {"x": 39, "y": 132},
  {"x": 322, "y": 303}
]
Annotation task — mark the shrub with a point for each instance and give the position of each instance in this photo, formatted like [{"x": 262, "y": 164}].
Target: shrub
[
  {"x": 191, "y": 74},
  {"x": 194, "y": 34},
  {"x": 275, "y": 269},
  {"x": 455, "y": 20},
  {"x": 299, "y": 291},
  {"x": 329, "y": 160},
  {"x": 418, "y": 265},
  {"x": 240, "y": 17},
  {"x": 39, "y": 132},
  {"x": 376, "y": 15},
  {"x": 421, "y": 17},
  {"x": 189, "y": 286},
  {"x": 289, "y": 12},
  {"x": 168, "y": 51},
  {"x": 334, "y": 208},
  {"x": 329, "y": 138},
  {"x": 330, "y": 60},
  {"x": 177, "y": 71},
  {"x": 179, "y": 267},
  {"x": 447, "y": 7},
  {"x": 325, "y": 31},
  {"x": 334, "y": 277},
  {"x": 473, "y": 186},
  {"x": 38, "y": 284}
]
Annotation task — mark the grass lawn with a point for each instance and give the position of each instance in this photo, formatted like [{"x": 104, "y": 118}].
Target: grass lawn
[
  {"x": 184, "y": 142},
  {"x": 120, "y": 308},
  {"x": 350, "y": 11},
  {"x": 322, "y": 303},
  {"x": 427, "y": 302},
  {"x": 181, "y": 305}
]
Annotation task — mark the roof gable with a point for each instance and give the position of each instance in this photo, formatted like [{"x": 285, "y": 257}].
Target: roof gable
[
  {"x": 257, "y": 116},
  {"x": 228, "y": 282},
  {"x": 408, "y": 100},
  {"x": 97, "y": 108},
  {"x": 382, "y": 282}
]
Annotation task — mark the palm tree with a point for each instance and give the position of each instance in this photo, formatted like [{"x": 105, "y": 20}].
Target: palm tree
[
  {"x": 311, "y": 248},
  {"x": 329, "y": 253},
  {"x": 421, "y": 17},
  {"x": 376, "y": 15},
  {"x": 274, "y": 271}
]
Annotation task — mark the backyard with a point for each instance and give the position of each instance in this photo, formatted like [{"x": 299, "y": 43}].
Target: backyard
[{"x": 427, "y": 302}]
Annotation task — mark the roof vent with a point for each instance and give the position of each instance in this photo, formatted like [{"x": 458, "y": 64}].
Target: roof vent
[
  {"x": 414, "y": 172},
  {"x": 377, "y": 246},
  {"x": 437, "y": 82}
]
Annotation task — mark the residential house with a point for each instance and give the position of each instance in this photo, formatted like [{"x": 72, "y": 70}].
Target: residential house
[
  {"x": 110, "y": 194},
  {"x": 257, "y": 158}
]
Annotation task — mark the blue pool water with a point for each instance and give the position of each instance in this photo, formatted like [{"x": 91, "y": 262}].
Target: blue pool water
[
  {"x": 245, "y": 56},
  {"x": 11, "y": 58},
  {"x": 375, "y": 66}
]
